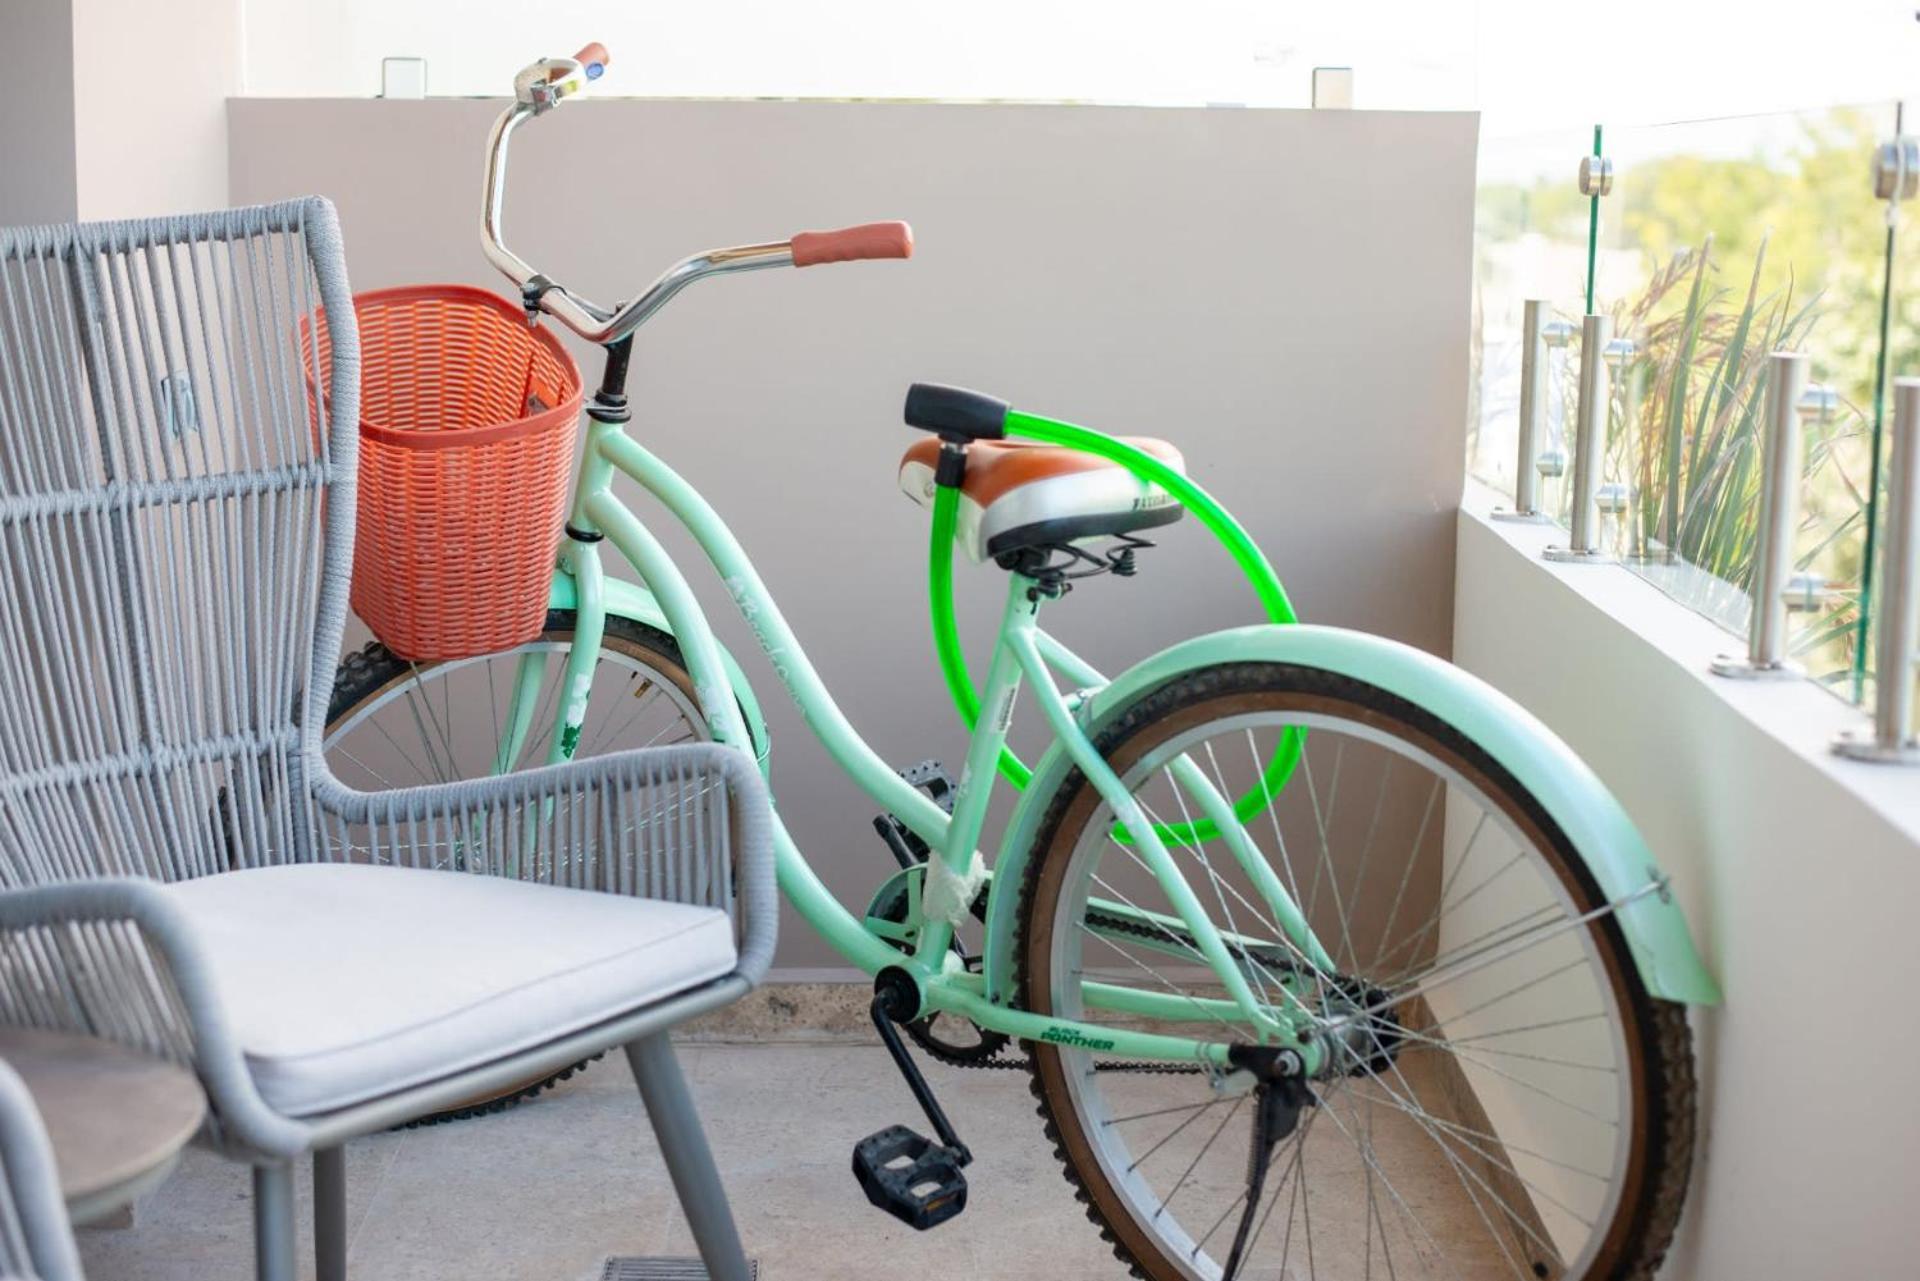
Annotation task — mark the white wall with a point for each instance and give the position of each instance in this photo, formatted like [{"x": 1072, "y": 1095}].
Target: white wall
[
  {"x": 115, "y": 108},
  {"x": 1525, "y": 66},
  {"x": 1152, "y": 272},
  {"x": 1417, "y": 53},
  {"x": 150, "y": 90},
  {"x": 1799, "y": 872}
]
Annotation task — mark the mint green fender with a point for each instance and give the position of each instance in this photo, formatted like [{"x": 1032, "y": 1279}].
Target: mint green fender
[
  {"x": 632, "y": 601},
  {"x": 1599, "y": 829}
]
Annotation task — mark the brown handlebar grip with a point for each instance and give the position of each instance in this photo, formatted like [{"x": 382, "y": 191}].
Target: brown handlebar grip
[{"x": 849, "y": 244}]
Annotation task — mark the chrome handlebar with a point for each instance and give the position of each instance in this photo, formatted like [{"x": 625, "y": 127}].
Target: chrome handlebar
[
  {"x": 539, "y": 88},
  {"x": 544, "y": 85}
]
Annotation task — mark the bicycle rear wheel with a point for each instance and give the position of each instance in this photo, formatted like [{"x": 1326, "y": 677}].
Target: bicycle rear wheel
[{"x": 1503, "y": 1097}]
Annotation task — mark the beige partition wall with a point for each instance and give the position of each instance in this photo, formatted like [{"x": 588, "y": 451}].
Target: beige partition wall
[{"x": 1282, "y": 294}]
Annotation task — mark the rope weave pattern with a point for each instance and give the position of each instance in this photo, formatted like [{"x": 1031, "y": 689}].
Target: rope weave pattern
[{"x": 172, "y": 594}]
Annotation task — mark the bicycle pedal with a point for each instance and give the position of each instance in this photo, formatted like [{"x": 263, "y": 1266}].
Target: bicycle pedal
[
  {"x": 911, "y": 1177},
  {"x": 932, "y": 778}
]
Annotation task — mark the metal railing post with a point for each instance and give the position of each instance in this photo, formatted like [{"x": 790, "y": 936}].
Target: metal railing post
[
  {"x": 1533, "y": 412},
  {"x": 1897, "y": 635},
  {"x": 1778, "y": 519},
  {"x": 1589, "y": 445}
]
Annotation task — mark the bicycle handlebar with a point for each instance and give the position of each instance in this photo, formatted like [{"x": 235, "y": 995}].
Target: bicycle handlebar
[{"x": 539, "y": 88}]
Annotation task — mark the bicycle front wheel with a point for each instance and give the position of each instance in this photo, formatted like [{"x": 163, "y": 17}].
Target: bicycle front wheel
[{"x": 1502, "y": 1097}]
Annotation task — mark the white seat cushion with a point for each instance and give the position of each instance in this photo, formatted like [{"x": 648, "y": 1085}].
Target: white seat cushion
[{"x": 345, "y": 982}]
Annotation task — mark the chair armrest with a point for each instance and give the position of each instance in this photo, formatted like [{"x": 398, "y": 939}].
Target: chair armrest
[
  {"x": 689, "y": 824},
  {"x": 115, "y": 959}
]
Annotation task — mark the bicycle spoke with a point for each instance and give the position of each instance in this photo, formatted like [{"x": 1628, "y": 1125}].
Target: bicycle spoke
[
  {"x": 643, "y": 699},
  {"x": 1370, "y": 1159},
  {"x": 1520, "y": 925},
  {"x": 440, "y": 730},
  {"x": 1273, "y": 818},
  {"x": 1444, "y": 907},
  {"x": 1366, "y": 850},
  {"x": 1220, "y": 888},
  {"x": 1181, "y": 1182},
  {"x": 1507, "y": 995},
  {"x": 1528, "y": 1027},
  {"x": 1433, "y": 979},
  {"x": 1468, "y": 1132},
  {"x": 1437, "y": 1044},
  {"x": 1163, "y": 980},
  {"x": 372, "y": 773},
  {"x": 1434, "y": 793},
  {"x": 1142, "y": 1116},
  {"x": 1167, "y": 1138},
  {"x": 1320, "y": 822},
  {"x": 1423, "y": 1119}
]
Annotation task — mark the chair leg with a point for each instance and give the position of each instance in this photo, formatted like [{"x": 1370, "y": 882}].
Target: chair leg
[
  {"x": 690, "y": 1162},
  {"x": 330, "y": 1213},
  {"x": 273, "y": 1230}
]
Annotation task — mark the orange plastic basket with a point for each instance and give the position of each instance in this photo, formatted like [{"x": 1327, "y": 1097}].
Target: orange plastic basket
[{"x": 466, "y": 445}]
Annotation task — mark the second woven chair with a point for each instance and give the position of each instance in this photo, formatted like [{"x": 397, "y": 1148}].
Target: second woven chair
[{"x": 178, "y": 869}]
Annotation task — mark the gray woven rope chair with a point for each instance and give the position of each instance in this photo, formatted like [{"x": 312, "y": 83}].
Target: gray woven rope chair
[
  {"x": 178, "y": 869},
  {"x": 36, "y": 1241}
]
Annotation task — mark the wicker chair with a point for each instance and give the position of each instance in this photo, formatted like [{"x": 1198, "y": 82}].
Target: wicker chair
[
  {"x": 178, "y": 869},
  {"x": 36, "y": 1242}
]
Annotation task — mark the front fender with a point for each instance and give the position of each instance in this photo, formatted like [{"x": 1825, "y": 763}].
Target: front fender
[
  {"x": 630, "y": 600},
  {"x": 1655, "y": 929}
]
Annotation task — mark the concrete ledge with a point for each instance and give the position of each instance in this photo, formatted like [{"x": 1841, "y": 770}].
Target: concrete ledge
[
  {"x": 1798, "y": 715},
  {"x": 1798, "y": 869},
  {"x": 808, "y": 1007}
]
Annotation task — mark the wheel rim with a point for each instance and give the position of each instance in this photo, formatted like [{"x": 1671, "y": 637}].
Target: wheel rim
[
  {"x": 1550, "y": 1198},
  {"x": 441, "y": 722}
]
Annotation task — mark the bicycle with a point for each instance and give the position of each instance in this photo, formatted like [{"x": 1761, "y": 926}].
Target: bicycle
[{"x": 1308, "y": 884}]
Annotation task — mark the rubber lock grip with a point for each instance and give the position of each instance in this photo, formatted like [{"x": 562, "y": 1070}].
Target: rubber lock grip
[
  {"x": 850, "y": 244},
  {"x": 956, "y": 413}
]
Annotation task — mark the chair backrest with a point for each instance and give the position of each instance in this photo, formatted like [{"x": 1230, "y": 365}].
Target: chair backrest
[
  {"x": 171, "y": 590},
  {"x": 36, "y": 1240}
]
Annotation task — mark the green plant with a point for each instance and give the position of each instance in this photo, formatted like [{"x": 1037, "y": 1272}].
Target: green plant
[{"x": 1689, "y": 427}]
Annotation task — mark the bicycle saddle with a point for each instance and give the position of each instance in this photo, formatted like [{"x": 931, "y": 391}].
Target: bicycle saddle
[{"x": 1016, "y": 494}]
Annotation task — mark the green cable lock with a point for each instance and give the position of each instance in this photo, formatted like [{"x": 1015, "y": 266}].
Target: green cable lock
[{"x": 1219, "y": 521}]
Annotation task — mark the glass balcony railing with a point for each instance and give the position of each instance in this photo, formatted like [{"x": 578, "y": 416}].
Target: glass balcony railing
[
  {"x": 1719, "y": 243},
  {"x": 1530, "y": 241}
]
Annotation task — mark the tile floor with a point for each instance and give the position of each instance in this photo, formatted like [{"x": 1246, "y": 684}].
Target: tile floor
[{"x": 546, "y": 1192}]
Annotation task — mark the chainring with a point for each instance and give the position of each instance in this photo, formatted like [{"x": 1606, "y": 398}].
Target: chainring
[{"x": 985, "y": 1045}]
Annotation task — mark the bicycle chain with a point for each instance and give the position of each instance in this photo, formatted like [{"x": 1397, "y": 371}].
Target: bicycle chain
[{"x": 999, "y": 1060}]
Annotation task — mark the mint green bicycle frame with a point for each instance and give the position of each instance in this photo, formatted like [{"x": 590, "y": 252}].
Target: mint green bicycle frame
[{"x": 1024, "y": 654}]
